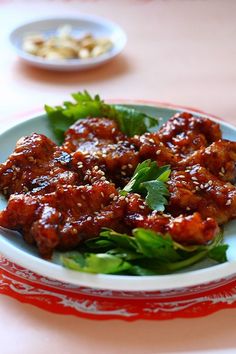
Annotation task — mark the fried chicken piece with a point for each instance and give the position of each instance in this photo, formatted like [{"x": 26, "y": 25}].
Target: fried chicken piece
[
  {"x": 102, "y": 130},
  {"x": 196, "y": 189},
  {"x": 185, "y": 133},
  {"x": 191, "y": 229},
  {"x": 150, "y": 146},
  {"x": 64, "y": 218},
  {"x": 219, "y": 158},
  {"x": 36, "y": 164},
  {"x": 98, "y": 142}
]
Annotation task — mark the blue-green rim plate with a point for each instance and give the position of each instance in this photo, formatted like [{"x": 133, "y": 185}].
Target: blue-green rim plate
[{"x": 16, "y": 250}]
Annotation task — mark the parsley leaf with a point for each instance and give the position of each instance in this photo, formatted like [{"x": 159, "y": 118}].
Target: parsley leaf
[
  {"x": 145, "y": 252},
  {"x": 129, "y": 120},
  {"x": 149, "y": 180}
]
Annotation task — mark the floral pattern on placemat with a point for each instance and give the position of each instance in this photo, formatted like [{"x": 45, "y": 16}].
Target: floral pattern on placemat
[{"x": 67, "y": 299}]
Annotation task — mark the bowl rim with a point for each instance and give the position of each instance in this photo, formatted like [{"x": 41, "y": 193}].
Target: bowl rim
[{"x": 122, "y": 282}]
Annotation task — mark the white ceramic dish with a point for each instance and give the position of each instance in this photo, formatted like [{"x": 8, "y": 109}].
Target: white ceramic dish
[
  {"x": 80, "y": 25},
  {"x": 13, "y": 247}
]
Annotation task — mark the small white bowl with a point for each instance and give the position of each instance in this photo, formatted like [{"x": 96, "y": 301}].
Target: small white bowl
[{"x": 80, "y": 25}]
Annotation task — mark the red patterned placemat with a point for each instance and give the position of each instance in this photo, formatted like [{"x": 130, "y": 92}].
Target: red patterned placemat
[{"x": 61, "y": 298}]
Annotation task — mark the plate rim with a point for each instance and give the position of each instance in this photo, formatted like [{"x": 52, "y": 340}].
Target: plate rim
[
  {"x": 69, "y": 64},
  {"x": 122, "y": 283}
]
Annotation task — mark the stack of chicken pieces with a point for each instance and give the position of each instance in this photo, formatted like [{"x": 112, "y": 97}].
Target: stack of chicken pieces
[{"x": 59, "y": 196}]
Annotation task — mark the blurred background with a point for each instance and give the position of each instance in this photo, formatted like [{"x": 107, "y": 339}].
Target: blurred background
[{"x": 178, "y": 51}]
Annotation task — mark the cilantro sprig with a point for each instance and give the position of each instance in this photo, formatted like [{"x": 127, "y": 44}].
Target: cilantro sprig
[
  {"x": 129, "y": 120},
  {"x": 145, "y": 252},
  {"x": 149, "y": 180}
]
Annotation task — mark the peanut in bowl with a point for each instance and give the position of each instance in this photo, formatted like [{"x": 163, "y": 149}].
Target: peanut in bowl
[{"x": 68, "y": 43}]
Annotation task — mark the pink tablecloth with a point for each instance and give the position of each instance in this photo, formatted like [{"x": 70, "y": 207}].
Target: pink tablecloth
[{"x": 178, "y": 51}]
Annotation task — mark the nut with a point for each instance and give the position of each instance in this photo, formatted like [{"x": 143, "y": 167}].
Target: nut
[{"x": 65, "y": 46}]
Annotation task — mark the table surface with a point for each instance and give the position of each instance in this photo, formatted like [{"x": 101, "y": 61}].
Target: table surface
[{"x": 178, "y": 51}]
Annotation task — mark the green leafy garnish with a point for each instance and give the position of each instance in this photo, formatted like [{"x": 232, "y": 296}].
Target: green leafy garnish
[
  {"x": 129, "y": 120},
  {"x": 144, "y": 253},
  {"x": 149, "y": 180}
]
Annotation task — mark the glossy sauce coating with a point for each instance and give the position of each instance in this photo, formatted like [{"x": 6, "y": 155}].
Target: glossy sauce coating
[{"x": 61, "y": 196}]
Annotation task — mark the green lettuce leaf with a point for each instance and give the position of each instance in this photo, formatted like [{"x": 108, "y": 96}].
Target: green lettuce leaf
[
  {"x": 129, "y": 120},
  {"x": 145, "y": 252},
  {"x": 149, "y": 180}
]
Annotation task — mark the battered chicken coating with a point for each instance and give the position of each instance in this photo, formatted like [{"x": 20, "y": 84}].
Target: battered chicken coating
[
  {"x": 197, "y": 189},
  {"x": 219, "y": 158},
  {"x": 98, "y": 142},
  {"x": 64, "y": 218},
  {"x": 37, "y": 165},
  {"x": 61, "y": 196},
  {"x": 191, "y": 229},
  {"x": 150, "y": 146},
  {"x": 185, "y": 133}
]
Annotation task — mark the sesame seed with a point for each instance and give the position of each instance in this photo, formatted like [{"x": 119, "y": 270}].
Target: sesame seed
[
  {"x": 201, "y": 186},
  {"x": 229, "y": 202},
  {"x": 113, "y": 130},
  {"x": 102, "y": 194},
  {"x": 79, "y": 205},
  {"x": 124, "y": 167},
  {"x": 194, "y": 178},
  {"x": 130, "y": 166},
  {"x": 141, "y": 207},
  {"x": 188, "y": 208},
  {"x": 111, "y": 195},
  {"x": 89, "y": 218},
  {"x": 210, "y": 183},
  {"x": 123, "y": 173},
  {"x": 86, "y": 178},
  {"x": 152, "y": 141},
  {"x": 103, "y": 178},
  {"x": 221, "y": 174},
  {"x": 158, "y": 152},
  {"x": 127, "y": 200},
  {"x": 74, "y": 231},
  {"x": 223, "y": 170},
  {"x": 5, "y": 190},
  {"x": 115, "y": 198},
  {"x": 161, "y": 143},
  {"x": 197, "y": 188},
  {"x": 122, "y": 197},
  {"x": 83, "y": 197},
  {"x": 95, "y": 168},
  {"x": 139, "y": 217}
]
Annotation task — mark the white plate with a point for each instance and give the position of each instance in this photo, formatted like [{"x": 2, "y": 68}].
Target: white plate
[
  {"x": 80, "y": 25},
  {"x": 13, "y": 247}
]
